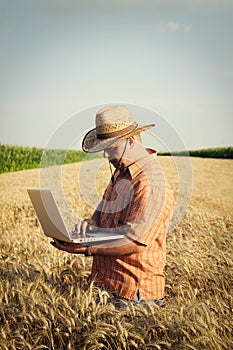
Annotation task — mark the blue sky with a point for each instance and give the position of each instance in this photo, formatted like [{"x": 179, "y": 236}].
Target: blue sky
[{"x": 60, "y": 59}]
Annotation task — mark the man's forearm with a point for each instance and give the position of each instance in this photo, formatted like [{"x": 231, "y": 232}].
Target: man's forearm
[
  {"x": 120, "y": 247},
  {"x": 124, "y": 246}
]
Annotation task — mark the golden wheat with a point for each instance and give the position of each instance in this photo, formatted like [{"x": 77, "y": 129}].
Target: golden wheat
[{"x": 46, "y": 301}]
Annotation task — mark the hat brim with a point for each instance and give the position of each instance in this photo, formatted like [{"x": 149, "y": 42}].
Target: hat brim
[{"x": 91, "y": 144}]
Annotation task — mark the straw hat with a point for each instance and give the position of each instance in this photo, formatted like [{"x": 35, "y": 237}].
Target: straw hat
[{"x": 112, "y": 123}]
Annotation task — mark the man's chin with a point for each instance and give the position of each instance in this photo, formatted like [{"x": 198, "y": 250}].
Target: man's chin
[{"x": 114, "y": 162}]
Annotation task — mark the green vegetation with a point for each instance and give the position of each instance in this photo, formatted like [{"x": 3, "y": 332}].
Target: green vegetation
[
  {"x": 15, "y": 158},
  {"x": 221, "y": 152}
]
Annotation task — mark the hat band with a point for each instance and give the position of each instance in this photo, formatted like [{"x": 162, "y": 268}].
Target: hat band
[{"x": 117, "y": 133}]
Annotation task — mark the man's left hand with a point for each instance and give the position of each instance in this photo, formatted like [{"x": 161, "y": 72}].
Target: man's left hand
[{"x": 74, "y": 248}]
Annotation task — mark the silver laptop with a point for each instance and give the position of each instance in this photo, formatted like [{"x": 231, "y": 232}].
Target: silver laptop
[{"x": 52, "y": 222}]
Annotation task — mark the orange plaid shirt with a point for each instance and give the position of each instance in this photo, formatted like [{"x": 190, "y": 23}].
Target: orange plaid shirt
[{"x": 141, "y": 201}]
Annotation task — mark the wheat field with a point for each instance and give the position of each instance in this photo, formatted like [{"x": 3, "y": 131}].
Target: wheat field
[{"x": 47, "y": 303}]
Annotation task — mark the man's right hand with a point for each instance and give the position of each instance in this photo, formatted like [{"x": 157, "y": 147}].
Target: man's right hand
[{"x": 87, "y": 225}]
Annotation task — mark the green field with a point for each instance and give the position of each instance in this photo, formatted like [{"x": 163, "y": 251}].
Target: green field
[
  {"x": 219, "y": 152},
  {"x": 15, "y": 158}
]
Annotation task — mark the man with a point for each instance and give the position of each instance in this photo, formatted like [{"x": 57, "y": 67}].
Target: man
[{"x": 137, "y": 202}]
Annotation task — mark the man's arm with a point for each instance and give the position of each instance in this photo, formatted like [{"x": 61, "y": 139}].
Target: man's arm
[{"x": 122, "y": 246}]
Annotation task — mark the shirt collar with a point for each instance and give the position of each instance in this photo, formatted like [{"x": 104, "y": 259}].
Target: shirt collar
[{"x": 136, "y": 167}]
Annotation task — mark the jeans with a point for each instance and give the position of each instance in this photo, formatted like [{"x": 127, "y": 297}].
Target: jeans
[{"x": 117, "y": 300}]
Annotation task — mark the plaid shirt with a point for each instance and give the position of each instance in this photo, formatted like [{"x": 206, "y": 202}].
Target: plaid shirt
[{"x": 141, "y": 202}]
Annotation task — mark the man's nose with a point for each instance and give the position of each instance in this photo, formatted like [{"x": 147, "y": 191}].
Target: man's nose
[{"x": 106, "y": 155}]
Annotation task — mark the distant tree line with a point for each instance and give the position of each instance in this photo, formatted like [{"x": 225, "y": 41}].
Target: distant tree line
[
  {"x": 220, "y": 152},
  {"x": 15, "y": 158}
]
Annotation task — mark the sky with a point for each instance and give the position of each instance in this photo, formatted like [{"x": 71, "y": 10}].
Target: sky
[{"x": 170, "y": 60}]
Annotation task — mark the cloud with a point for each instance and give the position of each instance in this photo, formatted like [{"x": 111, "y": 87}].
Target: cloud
[
  {"x": 173, "y": 27},
  {"x": 187, "y": 29}
]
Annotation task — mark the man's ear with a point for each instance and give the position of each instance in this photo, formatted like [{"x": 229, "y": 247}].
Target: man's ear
[{"x": 131, "y": 141}]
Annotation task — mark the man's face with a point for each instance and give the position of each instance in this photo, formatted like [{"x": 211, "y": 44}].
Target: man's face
[{"x": 114, "y": 152}]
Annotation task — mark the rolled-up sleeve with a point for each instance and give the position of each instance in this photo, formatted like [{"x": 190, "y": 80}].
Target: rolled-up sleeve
[{"x": 146, "y": 210}]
